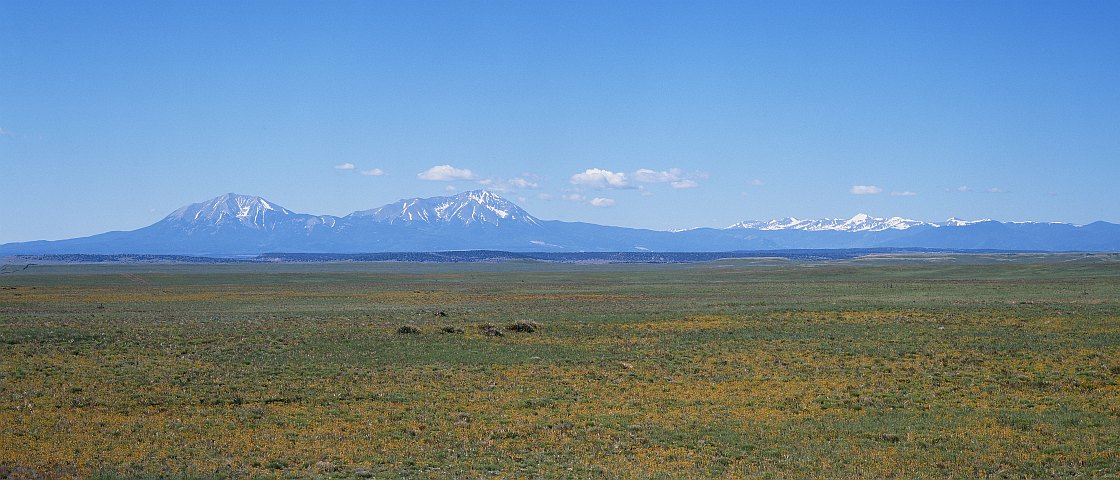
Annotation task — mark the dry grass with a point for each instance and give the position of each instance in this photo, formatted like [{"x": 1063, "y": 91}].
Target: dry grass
[{"x": 831, "y": 372}]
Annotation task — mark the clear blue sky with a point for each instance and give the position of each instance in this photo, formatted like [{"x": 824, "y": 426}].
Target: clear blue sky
[{"x": 645, "y": 114}]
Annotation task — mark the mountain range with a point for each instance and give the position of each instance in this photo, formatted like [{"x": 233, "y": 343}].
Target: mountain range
[{"x": 234, "y": 224}]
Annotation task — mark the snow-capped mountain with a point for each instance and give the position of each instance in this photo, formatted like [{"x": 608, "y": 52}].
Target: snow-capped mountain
[
  {"x": 956, "y": 222},
  {"x": 240, "y": 211},
  {"x": 858, "y": 223},
  {"x": 234, "y": 224},
  {"x": 246, "y": 210},
  {"x": 468, "y": 208}
]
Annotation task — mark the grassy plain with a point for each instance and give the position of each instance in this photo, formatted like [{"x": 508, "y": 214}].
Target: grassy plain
[{"x": 927, "y": 367}]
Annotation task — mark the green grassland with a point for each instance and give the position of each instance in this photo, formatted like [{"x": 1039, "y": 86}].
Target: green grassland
[{"x": 885, "y": 367}]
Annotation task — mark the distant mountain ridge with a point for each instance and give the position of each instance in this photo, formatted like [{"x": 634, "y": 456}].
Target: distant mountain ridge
[
  {"x": 858, "y": 223},
  {"x": 233, "y": 224},
  {"x": 862, "y": 223},
  {"x": 479, "y": 206}
]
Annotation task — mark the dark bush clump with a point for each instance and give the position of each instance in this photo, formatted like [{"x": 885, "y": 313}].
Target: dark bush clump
[
  {"x": 526, "y": 327},
  {"x": 451, "y": 329},
  {"x": 489, "y": 330},
  {"x": 408, "y": 329}
]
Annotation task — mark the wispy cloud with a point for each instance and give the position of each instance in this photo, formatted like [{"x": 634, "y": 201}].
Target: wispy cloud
[
  {"x": 373, "y": 172},
  {"x": 446, "y": 173},
  {"x": 599, "y": 178},
  {"x": 522, "y": 183},
  {"x": 675, "y": 177},
  {"x": 996, "y": 190},
  {"x": 574, "y": 197},
  {"x": 963, "y": 189},
  {"x": 344, "y": 166},
  {"x": 757, "y": 183},
  {"x": 906, "y": 193},
  {"x": 686, "y": 183},
  {"x": 865, "y": 190},
  {"x": 6, "y": 133},
  {"x": 646, "y": 175},
  {"x": 602, "y": 202}
]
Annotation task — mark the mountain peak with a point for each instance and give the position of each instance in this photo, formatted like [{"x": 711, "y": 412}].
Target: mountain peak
[
  {"x": 861, "y": 222},
  {"x": 231, "y": 208},
  {"x": 466, "y": 208},
  {"x": 956, "y": 222},
  {"x": 481, "y": 196}
]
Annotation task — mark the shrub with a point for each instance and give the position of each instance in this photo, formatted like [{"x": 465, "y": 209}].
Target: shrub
[
  {"x": 489, "y": 330},
  {"x": 526, "y": 327},
  {"x": 404, "y": 329},
  {"x": 451, "y": 329}
]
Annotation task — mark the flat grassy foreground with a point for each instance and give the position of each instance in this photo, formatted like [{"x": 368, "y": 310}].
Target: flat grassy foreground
[{"x": 728, "y": 369}]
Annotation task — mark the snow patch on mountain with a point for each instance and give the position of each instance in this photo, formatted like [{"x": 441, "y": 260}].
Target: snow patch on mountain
[
  {"x": 858, "y": 223},
  {"x": 231, "y": 208},
  {"x": 956, "y": 222},
  {"x": 467, "y": 208}
]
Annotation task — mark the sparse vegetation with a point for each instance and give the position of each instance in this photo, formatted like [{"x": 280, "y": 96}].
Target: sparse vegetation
[
  {"x": 489, "y": 330},
  {"x": 524, "y": 326},
  {"x": 716, "y": 370}
]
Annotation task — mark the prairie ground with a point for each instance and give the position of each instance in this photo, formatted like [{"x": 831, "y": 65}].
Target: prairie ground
[{"x": 726, "y": 369}]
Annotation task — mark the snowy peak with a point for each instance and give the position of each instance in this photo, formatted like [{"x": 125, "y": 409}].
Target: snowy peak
[
  {"x": 859, "y": 223},
  {"x": 228, "y": 209},
  {"x": 477, "y": 207},
  {"x": 956, "y": 222},
  {"x": 866, "y": 223}
]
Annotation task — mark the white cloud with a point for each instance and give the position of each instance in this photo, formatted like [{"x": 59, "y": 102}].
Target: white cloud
[
  {"x": 373, "y": 172},
  {"x": 996, "y": 190},
  {"x": 673, "y": 176},
  {"x": 646, "y": 175},
  {"x": 446, "y": 173},
  {"x": 865, "y": 190},
  {"x": 684, "y": 184},
  {"x": 964, "y": 189},
  {"x": 544, "y": 196},
  {"x": 574, "y": 197},
  {"x": 602, "y": 202},
  {"x": 903, "y": 194},
  {"x": 345, "y": 166},
  {"x": 522, "y": 183},
  {"x": 450, "y": 188},
  {"x": 757, "y": 183},
  {"x": 598, "y": 178}
]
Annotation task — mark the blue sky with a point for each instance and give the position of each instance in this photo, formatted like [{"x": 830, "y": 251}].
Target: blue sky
[{"x": 644, "y": 114}]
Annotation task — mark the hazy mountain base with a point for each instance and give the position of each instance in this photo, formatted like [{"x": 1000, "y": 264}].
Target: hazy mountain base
[
  {"x": 479, "y": 220},
  {"x": 813, "y": 370},
  {"x": 13, "y": 263}
]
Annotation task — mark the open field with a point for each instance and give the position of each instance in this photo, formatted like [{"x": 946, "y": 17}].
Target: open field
[{"x": 870, "y": 368}]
